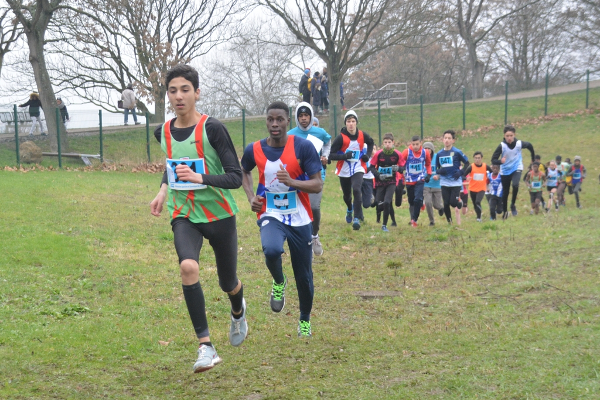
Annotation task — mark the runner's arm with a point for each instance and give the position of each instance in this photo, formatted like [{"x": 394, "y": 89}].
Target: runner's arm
[
  {"x": 528, "y": 146},
  {"x": 497, "y": 156},
  {"x": 336, "y": 146}
]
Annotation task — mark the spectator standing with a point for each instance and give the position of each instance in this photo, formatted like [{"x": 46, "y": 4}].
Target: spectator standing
[
  {"x": 342, "y": 95},
  {"x": 303, "y": 86},
  {"x": 34, "y": 105},
  {"x": 316, "y": 92},
  {"x": 64, "y": 114},
  {"x": 129, "y": 103},
  {"x": 325, "y": 90}
]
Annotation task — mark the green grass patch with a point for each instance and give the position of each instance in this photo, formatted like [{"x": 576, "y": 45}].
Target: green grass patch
[{"x": 91, "y": 303}]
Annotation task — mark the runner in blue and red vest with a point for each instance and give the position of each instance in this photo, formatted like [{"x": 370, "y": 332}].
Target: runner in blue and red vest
[
  {"x": 577, "y": 172},
  {"x": 289, "y": 169},
  {"x": 202, "y": 167},
  {"x": 347, "y": 150},
  {"x": 417, "y": 172}
]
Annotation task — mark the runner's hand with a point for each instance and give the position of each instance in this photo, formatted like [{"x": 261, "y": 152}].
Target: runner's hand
[
  {"x": 257, "y": 203},
  {"x": 185, "y": 173},
  {"x": 156, "y": 205},
  {"x": 395, "y": 168},
  {"x": 364, "y": 158},
  {"x": 284, "y": 177},
  {"x": 427, "y": 178}
]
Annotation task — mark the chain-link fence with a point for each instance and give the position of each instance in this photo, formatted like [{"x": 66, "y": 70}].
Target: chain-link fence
[{"x": 94, "y": 137}]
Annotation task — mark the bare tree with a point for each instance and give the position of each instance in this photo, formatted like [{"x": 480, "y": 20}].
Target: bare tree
[
  {"x": 587, "y": 27},
  {"x": 251, "y": 74},
  {"x": 110, "y": 43},
  {"x": 475, "y": 20},
  {"x": 534, "y": 42},
  {"x": 10, "y": 31},
  {"x": 344, "y": 33},
  {"x": 35, "y": 18}
]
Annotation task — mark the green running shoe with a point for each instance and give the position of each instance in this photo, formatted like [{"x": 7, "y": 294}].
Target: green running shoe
[
  {"x": 304, "y": 330},
  {"x": 278, "y": 295}
]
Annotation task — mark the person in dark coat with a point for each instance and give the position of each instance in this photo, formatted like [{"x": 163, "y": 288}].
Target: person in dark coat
[
  {"x": 64, "y": 114},
  {"x": 303, "y": 86},
  {"x": 34, "y": 105},
  {"x": 316, "y": 92}
]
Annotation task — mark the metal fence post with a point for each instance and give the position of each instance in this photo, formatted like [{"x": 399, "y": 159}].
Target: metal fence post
[
  {"x": 101, "y": 144},
  {"x": 244, "y": 129},
  {"x": 58, "y": 137},
  {"x": 421, "y": 117},
  {"x": 335, "y": 129},
  {"x": 16, "y": 116},
  {"x": 587, "y": 90},
  {"x": 148, "y": 135},
  {"x": 546, "y": 97},
  {"x": 506, "y": 103},
  {"x": 464, "y": 111},
  {"x": 379, "y": 119}
]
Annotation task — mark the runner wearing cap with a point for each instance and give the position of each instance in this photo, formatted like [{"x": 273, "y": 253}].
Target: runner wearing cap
[{"x": 347, "y": 150}]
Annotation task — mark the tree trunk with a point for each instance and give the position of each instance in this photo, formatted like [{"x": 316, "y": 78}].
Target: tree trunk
[
  {"x": 477, "y": 72},
  {"x": 35, "y": 41},
  {"x": 334, "y": 101},
  {"x": 159, "y": 105}
]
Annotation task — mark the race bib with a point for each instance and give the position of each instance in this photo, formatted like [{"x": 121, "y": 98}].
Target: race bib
[
  {"x": 536, "y": 185},
  {"x": 385, "y": 172},
  {"x": 355, "y": 155},
  {"x": 478, "y": 177},
  {"x": 577, "y": 175},
  {"x": 282, "y": 202},
  {"x": 196, "y": 165},
  {"x": 446, "y": 161},
  {"x": 415, "y": 168},
  {"x": 552, "y": 181}
]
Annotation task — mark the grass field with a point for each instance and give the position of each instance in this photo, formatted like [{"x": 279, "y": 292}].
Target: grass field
[{"x": 91, "y": 303}]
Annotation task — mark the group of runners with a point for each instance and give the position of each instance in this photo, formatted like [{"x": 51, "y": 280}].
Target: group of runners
[{"x": 202, "y": 168}]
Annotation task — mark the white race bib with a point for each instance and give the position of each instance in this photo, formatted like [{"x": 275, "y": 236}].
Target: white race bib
[
  {"x": 385, "y": 172},
  {"x": 478, "y": 177},
  {"x": 282, "y": 202},
  {"x": 536, "y": 185},
  {"x": 196, "y": 165},
  {"x": 415, "y": 168}
]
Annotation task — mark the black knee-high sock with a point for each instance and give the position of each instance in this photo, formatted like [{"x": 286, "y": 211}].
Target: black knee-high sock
[
  {"x": 392, "y": 215},
  {"x": 194, "y": 299},
  {"x": 316, "y": 224},
  {"x": 236, "y": 300},
  {"x": 514, "y": 195}
]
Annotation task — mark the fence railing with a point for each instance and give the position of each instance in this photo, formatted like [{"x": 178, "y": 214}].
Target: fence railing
[{"x": 106, "y": 139}]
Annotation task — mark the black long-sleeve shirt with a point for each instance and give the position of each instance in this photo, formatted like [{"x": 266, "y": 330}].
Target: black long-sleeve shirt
[
  {"x": 219, "y": 139},
  {"x": 339, "y": 141},
  {"x": 524, "y": 145}
]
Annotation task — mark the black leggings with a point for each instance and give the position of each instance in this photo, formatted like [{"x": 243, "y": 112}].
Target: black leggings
[
  {"x": 385, "y": 195},
  {"x": 508, "y": 181},
  {"x": 352, "y": 187},
  {"x": 222, "y": 236},
  {"x": 476, "y": 198},
  {"x": 450, "y": 197}
]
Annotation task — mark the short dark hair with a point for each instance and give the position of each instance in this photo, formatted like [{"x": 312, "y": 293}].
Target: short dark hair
[
  {"x": 388, "y": 136},
  {"x": 184, "y": 71},
  {"x": 415, "y": 138},
  {"x": 478, "y": 153},
  {"x": 510, "y": 128},
  {"x": 537, "y": 157},
  {"x": 450, "y": 131},
  {"x": 278, "y": 105}
]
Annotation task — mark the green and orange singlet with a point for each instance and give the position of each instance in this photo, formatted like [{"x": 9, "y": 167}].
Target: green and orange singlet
[{"x": 201, "y": 205}]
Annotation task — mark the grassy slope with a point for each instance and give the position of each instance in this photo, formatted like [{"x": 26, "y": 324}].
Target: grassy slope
[
  {"x": 89, "y": 285},
  {"x": 130, "y": 147}
]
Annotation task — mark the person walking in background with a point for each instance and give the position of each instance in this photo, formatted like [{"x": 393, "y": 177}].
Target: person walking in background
[
  {"x": 129, "y": 103},
  {"x": 34, "y": 104},
  {"x": 303, "y": 86},
  {"x": 64, "y": 114}
]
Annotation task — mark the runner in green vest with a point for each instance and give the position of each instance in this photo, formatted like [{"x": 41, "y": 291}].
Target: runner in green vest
[{"x": 201, "y": 168}]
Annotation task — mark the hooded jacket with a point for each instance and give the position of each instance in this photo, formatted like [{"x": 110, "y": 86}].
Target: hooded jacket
[{"x": 314, "y": 131}]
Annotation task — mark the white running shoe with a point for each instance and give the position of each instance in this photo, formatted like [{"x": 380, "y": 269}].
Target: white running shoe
[
  {"x": 239, "y": 327},
  {"x": 207, "y": 358}
]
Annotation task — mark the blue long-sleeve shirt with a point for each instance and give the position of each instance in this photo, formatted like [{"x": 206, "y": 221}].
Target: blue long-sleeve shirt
[{"x": 447, "y": 165}]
